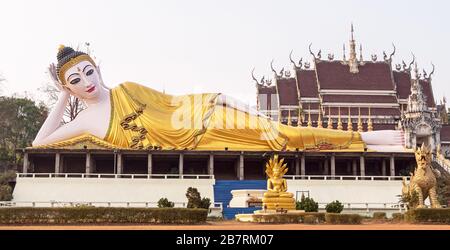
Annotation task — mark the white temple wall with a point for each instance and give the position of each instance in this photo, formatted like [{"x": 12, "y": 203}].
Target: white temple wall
[
  {"x": 108, "y": 190},
  {"x": 376, "y": 192}
]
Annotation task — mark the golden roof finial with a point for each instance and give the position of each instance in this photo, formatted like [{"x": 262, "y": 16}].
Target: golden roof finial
[
  {"x": 349, "y": 121},
  {"x": 319, "y": 119},
  {"x": 330, "y": 121},
  {"x": 289, "y": 123},
  {"x": 339, "y": 125},
  {"x": 309, "y": 116},
  {"x": 360, "y": 126},
  {"x": 369, "y": 123}
]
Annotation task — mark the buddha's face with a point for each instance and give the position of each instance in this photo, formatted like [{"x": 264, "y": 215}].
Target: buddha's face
[{"x": 83, "y": 80}]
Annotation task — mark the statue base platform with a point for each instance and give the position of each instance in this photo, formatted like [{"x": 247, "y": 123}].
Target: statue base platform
[{"x": 267, "y": 212}]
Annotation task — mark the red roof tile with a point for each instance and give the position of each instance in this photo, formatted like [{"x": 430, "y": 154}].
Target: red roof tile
[
  {"x": 287, "y": 91},
  {"x": 428, "y": 92},
  {"x": 307, "y": 83},
  {"x": 371, "y": 76},
  {"x": 360, "y": 98},
  {"x": 403, "y": 81}
]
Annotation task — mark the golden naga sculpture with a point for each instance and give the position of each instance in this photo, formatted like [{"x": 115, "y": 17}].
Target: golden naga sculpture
[
  {"x": 423, "y": 181},
  {"x": 276, "y": 196}
]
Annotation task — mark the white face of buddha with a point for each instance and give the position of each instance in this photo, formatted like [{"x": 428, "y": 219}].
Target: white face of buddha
[{"x": 83, "y": 80}]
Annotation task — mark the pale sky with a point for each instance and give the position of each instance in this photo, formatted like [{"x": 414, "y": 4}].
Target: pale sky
[{"x": 212, "y": 46}]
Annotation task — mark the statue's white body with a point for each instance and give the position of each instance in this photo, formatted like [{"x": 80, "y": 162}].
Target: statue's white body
[{"x": 84, "y": 81}]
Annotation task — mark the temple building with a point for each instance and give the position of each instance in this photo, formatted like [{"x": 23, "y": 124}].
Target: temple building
[{"x": 354, "y": 93}]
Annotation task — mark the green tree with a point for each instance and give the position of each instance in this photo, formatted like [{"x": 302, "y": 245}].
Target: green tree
[
  {"x": 21, "y": 119},
  {"x": 195, "y": 200}
]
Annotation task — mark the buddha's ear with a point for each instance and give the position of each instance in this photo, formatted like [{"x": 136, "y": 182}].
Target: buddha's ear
[{"x": 100, "y": 77}]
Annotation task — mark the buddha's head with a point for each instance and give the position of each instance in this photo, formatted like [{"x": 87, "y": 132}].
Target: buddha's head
[{"x": 78, "y": 72}]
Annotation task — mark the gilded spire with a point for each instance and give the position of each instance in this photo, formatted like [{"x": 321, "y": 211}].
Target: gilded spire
[
  {"x": 369, "y": 123},
  {"x": 330, "y": 121},
  {"x": 361, "y": 59},
  {"x": 339, "y": 125},
  {"x": 319, "y": 119},
  {"x": 289, "y": 122},
  {"x": 360, "y": 125},
  {"x": 349, "y": 121},
  {"x": 309, "y": 116},
  {"x": 352, "y": 61}
]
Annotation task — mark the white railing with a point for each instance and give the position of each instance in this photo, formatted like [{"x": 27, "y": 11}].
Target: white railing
[
  {"x": 215, "y": 205},
  {"x": 370, "y": 206},
  {"x": 113, "y": 176},
  {"x": 345, "y": 177}
]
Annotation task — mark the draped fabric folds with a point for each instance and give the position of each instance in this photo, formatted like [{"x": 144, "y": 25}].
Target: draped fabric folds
[{"x": 144, "y": 118}]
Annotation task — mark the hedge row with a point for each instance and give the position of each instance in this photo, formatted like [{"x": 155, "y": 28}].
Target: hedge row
[
  {"x": 82, "y": 215},
  {"x": 332, "y": 218},
  {"x": 307, "y": 217},
  {"x": 424, "y": 215}
]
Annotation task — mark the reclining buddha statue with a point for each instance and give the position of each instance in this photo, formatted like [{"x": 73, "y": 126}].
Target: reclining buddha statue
[{"x": 132, "y": 116}]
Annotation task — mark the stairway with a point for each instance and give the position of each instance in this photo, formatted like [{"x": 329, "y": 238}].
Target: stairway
[{"x": 222, "y": 193}]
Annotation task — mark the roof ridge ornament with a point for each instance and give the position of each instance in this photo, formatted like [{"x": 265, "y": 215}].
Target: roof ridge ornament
[{"x": 256, "y": 81}]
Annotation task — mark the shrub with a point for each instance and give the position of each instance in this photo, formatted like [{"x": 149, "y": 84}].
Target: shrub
[
  {"x": 379, "y": 216},
  {"x": 82, "y": 215},
  {"x": 332, "y": 218},
  {"x": 5, "y": 193},
  {"x": 164, "y": 202},
  {"x": 290, "y": 218},
  {"x": 307, "y": 204},
  {"x": 334, "y": 207},
  {"x": 424, "y": 215},
  {"x": 397, "y": 217},
  {"x": 195, "y": 200}
]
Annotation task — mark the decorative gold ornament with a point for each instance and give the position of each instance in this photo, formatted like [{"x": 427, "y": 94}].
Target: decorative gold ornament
[
  {"x": 330, "y": 121},
  {"x": 339, "y": 125},
  {"x": 369, "y": 123}
]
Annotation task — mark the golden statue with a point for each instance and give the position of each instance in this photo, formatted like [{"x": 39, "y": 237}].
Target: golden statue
[
  {"x": 277, "y": 196},
  {"x": 423, "y": 182},
  {"x": 132, "y": 116}
]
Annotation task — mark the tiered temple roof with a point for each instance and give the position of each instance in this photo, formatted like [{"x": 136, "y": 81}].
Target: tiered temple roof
[{"x": 371, "y": 89}]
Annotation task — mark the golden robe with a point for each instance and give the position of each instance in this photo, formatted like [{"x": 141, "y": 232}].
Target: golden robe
[{"x": 143, "y": 118}]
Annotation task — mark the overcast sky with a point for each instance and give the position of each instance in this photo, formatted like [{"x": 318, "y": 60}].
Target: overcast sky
[{"x": 212, "y": 46}]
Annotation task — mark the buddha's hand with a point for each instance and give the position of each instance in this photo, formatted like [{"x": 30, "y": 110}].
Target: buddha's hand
[{"x": 54, "y": 77}]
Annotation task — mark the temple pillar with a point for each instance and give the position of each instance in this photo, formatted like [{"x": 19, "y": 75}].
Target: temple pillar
[
  {"x": 325, "y": 167},
  {"x": 303, "y": 165},
  {"x": 354, "y": 168},
  {"x": 180, "y": 164},
  {"x": 149, "y": 164},
  {"x": 333, "y": 164},
  {"x": 57, "y": 163},
  {"x": 88, "y": 163},
  {"x": 392, "y": 165},
  {"x": 362, "y": 165},
  {"x": 241, "y": 167},
  {"x": 297, "y": 165},
  {"x": 26, "y": 163},
  {"x": 383, "y": 167},
  {"x": 211, "y": 164},
  {"x": 119, "y": 163}
]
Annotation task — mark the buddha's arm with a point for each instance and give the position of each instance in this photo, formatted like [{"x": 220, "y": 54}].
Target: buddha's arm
[
  {"x": 269, "y": 185},
  {"x": 66, "y": 131},
  {"x": 53, "y": 120}
]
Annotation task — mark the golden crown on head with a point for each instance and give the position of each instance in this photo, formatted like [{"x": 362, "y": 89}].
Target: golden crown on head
[
  {"x": 424, "y": 152},
  {"x": 275, "y": 164},
  {"x": 67, "y": 58}
]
